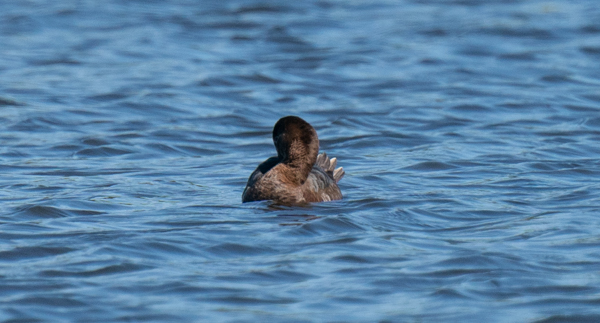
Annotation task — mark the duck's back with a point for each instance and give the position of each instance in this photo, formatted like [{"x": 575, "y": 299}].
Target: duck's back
[{"x": 267, "y": 183}]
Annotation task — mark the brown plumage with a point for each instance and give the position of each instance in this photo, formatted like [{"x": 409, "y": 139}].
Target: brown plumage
[{"x": 298, "y": 174}]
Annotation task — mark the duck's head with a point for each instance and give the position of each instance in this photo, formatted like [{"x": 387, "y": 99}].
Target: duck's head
[{"x": 296, "y": 142}]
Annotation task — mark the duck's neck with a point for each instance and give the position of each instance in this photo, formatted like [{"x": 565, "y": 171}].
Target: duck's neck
[{"x": 300, "y": 160}]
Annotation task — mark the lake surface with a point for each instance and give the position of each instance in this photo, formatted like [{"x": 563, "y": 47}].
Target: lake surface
[{"x": 469, "y": 132}]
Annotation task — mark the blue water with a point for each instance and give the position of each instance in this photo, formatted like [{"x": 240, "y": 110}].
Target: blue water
[{"x": 469, "y": 132}]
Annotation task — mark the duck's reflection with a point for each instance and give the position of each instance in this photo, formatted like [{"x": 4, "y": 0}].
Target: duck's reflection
[{"x": 298, "y": 219}]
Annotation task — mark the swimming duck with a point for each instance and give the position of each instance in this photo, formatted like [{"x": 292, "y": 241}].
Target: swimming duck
[{"x": 299, "y": 174}]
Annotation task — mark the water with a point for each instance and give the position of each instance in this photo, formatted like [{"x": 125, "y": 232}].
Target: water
[{"x": 468, "y": 131}]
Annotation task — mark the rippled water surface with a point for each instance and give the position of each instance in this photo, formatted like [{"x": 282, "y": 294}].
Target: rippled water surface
[{"x": 469, "y": 132}]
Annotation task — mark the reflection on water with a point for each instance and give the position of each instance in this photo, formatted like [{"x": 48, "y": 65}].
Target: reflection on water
[{"x": 468, "y": 132}]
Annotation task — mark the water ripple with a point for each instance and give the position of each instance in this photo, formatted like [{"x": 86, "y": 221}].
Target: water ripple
[{"x": 470, "y": 152}]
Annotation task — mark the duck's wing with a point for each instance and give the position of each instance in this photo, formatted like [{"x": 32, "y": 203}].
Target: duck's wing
[{"x": 320, "y": 186}]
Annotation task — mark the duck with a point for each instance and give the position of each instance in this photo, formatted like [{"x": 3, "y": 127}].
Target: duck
[{"x": 298, "y": 174}]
